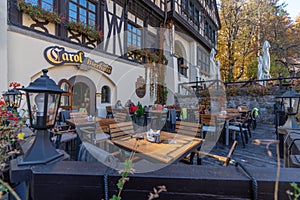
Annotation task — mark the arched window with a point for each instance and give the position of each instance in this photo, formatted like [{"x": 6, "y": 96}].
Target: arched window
[
  {"x": 105, "y": 94},
  {"x": 66, "y": 98}
]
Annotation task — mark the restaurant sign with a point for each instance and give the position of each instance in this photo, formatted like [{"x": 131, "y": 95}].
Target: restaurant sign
[{"x": 58, "y": 56}]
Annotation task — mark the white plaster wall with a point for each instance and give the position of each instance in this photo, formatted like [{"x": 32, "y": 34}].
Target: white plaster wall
[
  {"x": 3, "y": 47},
  {"x": 26, "y": 60}
]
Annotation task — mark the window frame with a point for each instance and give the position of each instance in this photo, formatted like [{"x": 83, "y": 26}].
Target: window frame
[
  {"x": 40, "y": 3},
  {"x": 79, "y": 7},
  {"x": 106, "y": 96},
  {"x": 67, "y": 94},
  {"x": 134, "y": 33},
  {"x": 182, "y": 70}
]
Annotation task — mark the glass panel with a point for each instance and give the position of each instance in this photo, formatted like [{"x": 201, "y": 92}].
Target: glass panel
[
  {"x": 81, "y": 96},
  {"x": 92, "y": 7},
  {"x": 83, "y": 3},
  {"x": 65, "y": 87},
  {"x": 47, "y": 5},
  {"x": 64, "y": 101},
  {"x": 72, "y": 16},
  {"x": 82, "y": 16},
  {"x": 33, "y": 2},
  {"x": 53, "y": 100},
  {"x": 72, "y": 6}
]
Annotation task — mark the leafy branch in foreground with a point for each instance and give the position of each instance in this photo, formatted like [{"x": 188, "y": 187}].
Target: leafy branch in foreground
[
  {"x": 130, "y": 170},
  {"x": 296, "y": 194}
]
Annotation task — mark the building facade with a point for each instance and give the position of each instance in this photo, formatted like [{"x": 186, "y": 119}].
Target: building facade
[{"x": 101, "y": 51}]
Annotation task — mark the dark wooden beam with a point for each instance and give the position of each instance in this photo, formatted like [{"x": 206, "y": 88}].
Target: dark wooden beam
[{"x": 81, "y": 180}]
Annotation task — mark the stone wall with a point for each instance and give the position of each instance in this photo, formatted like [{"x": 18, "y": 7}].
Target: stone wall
[{"x": 265, "y": 104}]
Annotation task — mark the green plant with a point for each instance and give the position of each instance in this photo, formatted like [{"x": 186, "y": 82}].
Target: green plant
[
  {"x": 140, "y": 110},
  {"x": 296, "y": 194},
  {"x": 85, "y": 29},
  {"x": 36, "y": 12},
  {"x": 130, "y": 170},
  {"x": 10, "y": 135}
]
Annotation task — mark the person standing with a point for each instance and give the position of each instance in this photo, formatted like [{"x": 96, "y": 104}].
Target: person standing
[{"x": 118, "y": 105}]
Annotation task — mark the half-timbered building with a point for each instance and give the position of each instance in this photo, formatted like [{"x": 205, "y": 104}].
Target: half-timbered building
[{"x": 104, "y": 50}]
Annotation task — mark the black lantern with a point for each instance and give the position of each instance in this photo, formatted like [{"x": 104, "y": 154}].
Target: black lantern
[
  {"x": 12, "y": 98},
  {"x": 291, "y": 100},
  {"x": 43, "y": 99}
]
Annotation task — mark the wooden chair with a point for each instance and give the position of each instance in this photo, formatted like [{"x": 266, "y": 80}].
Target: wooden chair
[
  {"x": 104, "y": 124},
  {"x": 210, "y": 123},
  {"x": 232, "y": 110},
  {"x": 188, "y": 128},
  {"x": 120, "y": 115},
  {"x": 211, "y": 127},
  {"x": 192, "y": 130},
  {"x": 121, "y": 130},
  {"x": 241, "y": 126},
  {"x": 63, "y": 135},
  {"x": 109, "y": 112},
  {"x": 93, "y": 133}
]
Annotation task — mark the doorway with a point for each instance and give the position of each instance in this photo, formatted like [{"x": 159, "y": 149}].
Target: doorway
[{"x": 83, "y": 95}]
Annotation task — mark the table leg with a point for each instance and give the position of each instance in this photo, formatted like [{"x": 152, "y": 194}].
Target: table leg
[{"x": 226, "y": 132}]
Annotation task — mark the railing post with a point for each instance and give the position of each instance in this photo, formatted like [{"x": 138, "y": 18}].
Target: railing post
[
  {"x": 280, "y": 81},
  {"x": 197, "y": 89}
]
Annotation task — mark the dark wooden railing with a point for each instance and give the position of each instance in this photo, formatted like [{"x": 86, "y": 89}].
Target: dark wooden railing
[
  {"x": 280, "y": 82},
  {"x": 83, "y": 180}
]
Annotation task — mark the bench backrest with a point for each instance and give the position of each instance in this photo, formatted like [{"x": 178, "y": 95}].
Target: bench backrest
[
  {"x": 121, "y": 117},
  {"x": 104, "y": 124},
  {"x": 120, "y": 130},
  {"x": 188, "y": 128},
  {"x": 78, "y": 115}
]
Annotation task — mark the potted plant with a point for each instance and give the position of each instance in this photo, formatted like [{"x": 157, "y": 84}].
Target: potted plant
[
  {"x": 11, "y": 135},
  {"x": 37, "y": 12},
  {"x": 89, "y": 31}
]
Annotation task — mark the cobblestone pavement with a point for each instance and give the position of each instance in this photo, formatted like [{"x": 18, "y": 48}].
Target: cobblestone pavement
[{"x": 252, "y": 155}]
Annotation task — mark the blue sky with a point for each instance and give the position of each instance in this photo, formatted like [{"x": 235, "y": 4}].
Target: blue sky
[{"x": 293, "y": 7}]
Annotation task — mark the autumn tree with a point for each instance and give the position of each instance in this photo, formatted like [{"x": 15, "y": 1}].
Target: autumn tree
[{"x": 246, "y": 24}]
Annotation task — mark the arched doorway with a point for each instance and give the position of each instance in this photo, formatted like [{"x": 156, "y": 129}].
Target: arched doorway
[
  {"x": 81, "y": 97},
  {"x": 83, "y": 94}
]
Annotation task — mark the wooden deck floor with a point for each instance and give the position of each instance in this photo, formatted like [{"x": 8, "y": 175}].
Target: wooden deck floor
[{"x": 252, "y": 155}]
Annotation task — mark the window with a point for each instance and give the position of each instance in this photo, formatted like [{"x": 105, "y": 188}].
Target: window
[
  {"x": 105, "y": 97},
  {"x": 66, "y": 98},
  {"x": 203, "y": 60},
  {"x": 182, "y": 69},
  {"x": 45, "y": 4},
  {"x": 134, "y": 36},
  {"x": 196, "y": 16},
  {"x": 184, "y": 5},
  {"x": 82, "y": 11}
]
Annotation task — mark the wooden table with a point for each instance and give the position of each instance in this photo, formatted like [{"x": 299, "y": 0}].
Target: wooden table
[{"x": 166, "y": 151}]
